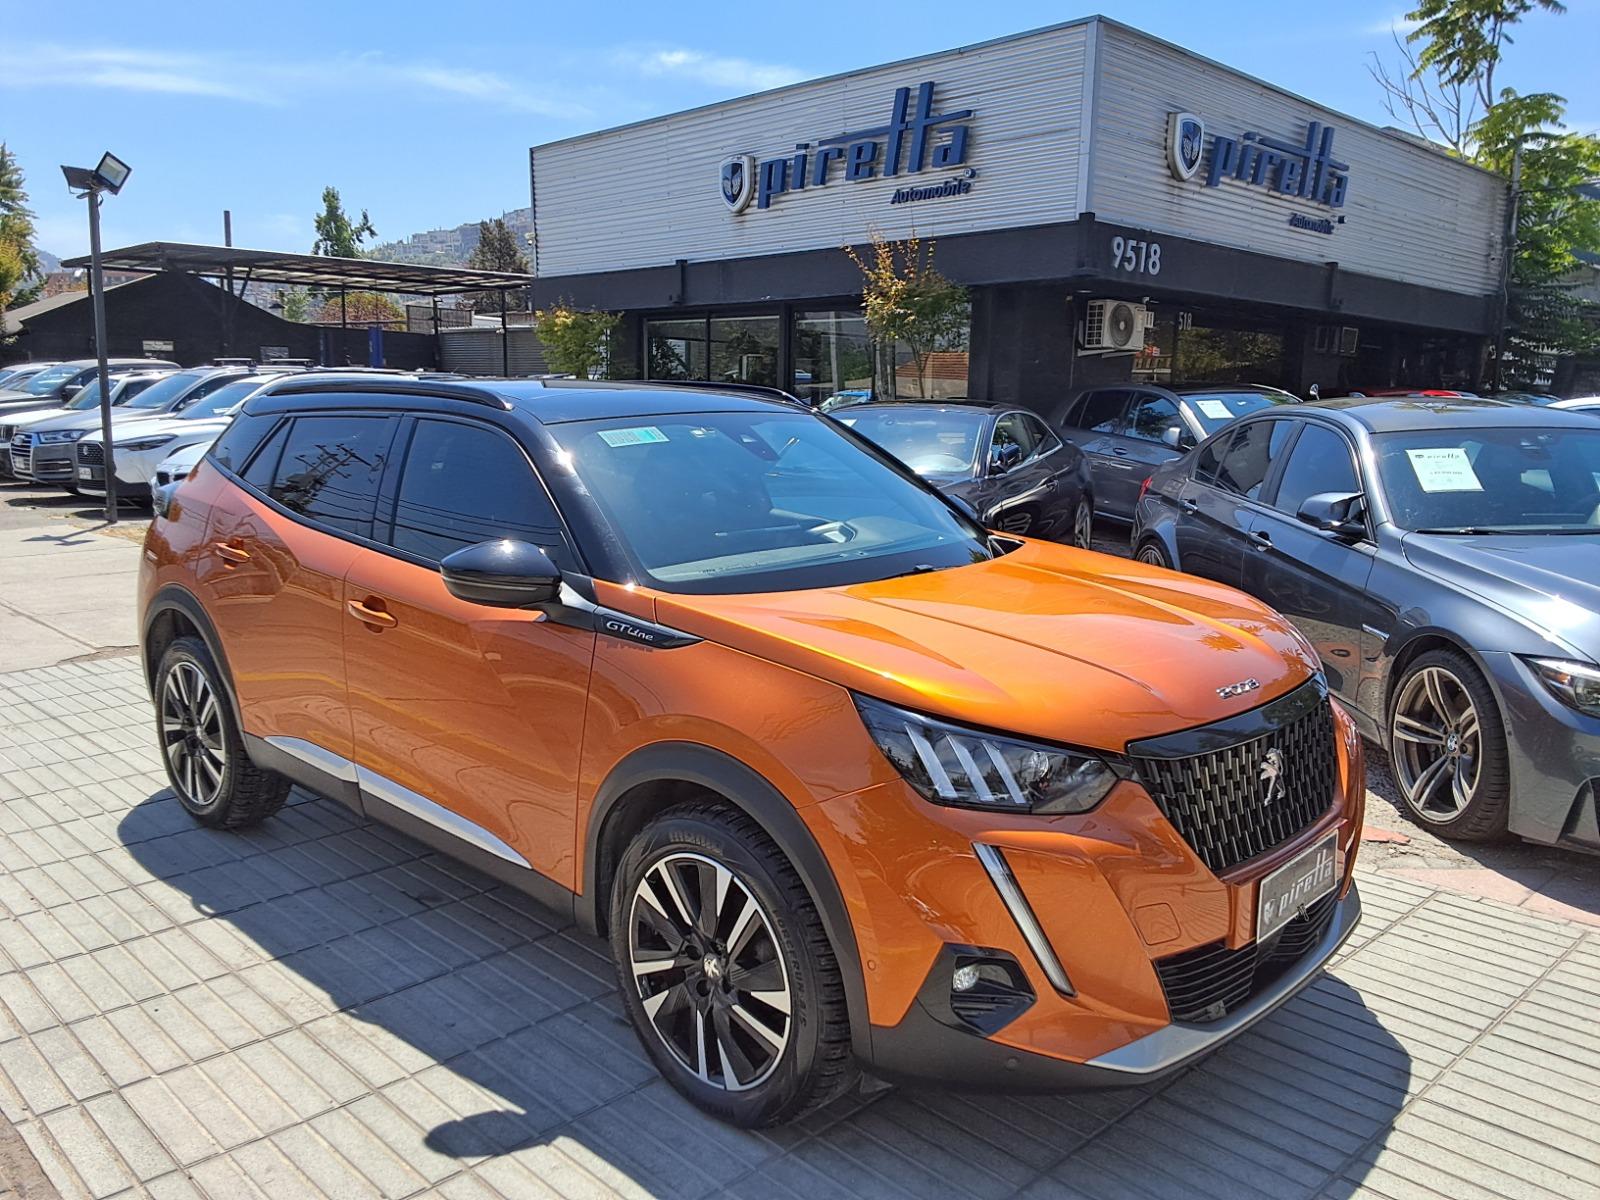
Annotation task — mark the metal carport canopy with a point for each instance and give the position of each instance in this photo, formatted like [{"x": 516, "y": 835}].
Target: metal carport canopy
[{"x": 310, "y": 270}]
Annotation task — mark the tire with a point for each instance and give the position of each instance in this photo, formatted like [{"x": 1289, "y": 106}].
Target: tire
[
  {"x": 699, "y": 848},
  {"x": 1153, "y": 553},
  {"x": 1442, "y": 711},
  {"x": 1083, "y": 523},
  {"x": 206, "y": 763}
]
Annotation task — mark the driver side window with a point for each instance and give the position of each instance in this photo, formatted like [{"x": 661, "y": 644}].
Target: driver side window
[
  {"x": 1152, "y": 416},
  {"x": 1012, "y": 444}
]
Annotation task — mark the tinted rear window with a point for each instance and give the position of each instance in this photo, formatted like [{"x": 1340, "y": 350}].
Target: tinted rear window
[
  {"x": 330, "y": 469},
  {"x": 244, "y": 434}
]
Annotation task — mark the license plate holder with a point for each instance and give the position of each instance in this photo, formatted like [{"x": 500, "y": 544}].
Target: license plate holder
[
  {"x": 87, "y": 473},
  {"x": 1303, "y": 880}
]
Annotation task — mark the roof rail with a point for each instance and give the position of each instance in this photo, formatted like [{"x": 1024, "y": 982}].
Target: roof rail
[
  {"x": 758, "y": 391},
  {"x": 311, "y": 384}
]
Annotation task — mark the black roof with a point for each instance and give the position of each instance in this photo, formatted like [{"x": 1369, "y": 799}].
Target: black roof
[
  {"x": 1195, "y": 389},
  {"x": 984, "y": 406},
  {"x": 1392, "y": 415}
]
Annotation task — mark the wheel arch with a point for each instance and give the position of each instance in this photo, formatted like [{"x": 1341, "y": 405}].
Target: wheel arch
[
  {"x": 656, "y": 777},
  {"x": 176, "y": 612},
  {"x": 1417, "y": 643}
]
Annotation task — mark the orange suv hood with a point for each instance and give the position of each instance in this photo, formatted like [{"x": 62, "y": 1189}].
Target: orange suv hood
[{"x": 1049, "y": 641}]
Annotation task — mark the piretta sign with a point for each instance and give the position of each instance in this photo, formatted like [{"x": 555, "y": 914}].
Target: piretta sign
[{"x": 915, "y": 139}]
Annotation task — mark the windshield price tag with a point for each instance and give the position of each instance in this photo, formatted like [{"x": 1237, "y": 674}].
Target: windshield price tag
[
  {"x": 643, "y": 435},
  {"x": 1446, "y": 469},
  {"x": 1216, "y": 410}
]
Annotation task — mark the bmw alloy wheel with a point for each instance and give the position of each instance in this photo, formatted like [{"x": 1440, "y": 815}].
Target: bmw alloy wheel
[
  {"x": 1437, "y": 744},
  {"x": 191, "y": 733},
  {"x": 1152, "y": 554},
  {"x": 709, "y": 971}
]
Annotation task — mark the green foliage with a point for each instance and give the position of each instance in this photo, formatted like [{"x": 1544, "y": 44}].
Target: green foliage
[
  {"x": 575, "y": 340},
  {"x": 1462, "y": 40},
  {"x": 497, "y": 250},
  {"x": 296, "y": 303},
  {"x": 905, "y": 299},
  {"x": 362, "y": 308},
  {"x": 19, "y": 261},
  {"x": 337, "y": 235}
]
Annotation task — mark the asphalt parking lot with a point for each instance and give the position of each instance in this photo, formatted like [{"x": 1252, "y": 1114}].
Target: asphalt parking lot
[{"x": 324, "y": 1007}]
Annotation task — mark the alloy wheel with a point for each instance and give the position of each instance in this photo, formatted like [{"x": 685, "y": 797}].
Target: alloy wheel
[
  {"x": 1151, "y": 555},
  {"x": 1083, "y": 526},
  {"x": 709, "y": 971},
  {"x": 191, "y": 733},
  {"x": 1437, "y": 743}
]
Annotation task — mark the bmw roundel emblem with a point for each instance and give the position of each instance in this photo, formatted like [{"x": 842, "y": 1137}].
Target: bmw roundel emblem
[
  {"x": 1186, "y": 143},
  {"x": 738, "y": 181}
]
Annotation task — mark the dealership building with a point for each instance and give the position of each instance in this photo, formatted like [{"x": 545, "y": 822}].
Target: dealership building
[{"x": 1117, "y": 207}]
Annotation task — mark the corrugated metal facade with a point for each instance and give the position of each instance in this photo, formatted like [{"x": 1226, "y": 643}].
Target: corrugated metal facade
[
  {"x": 1412, "y": 213},
  {"x": 476, "y": 351},
  {"x": 647, "y": 194}
]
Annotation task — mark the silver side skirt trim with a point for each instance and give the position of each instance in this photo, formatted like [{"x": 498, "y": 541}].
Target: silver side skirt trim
[
  {"x": 1016, "y": 903},
  {"x": 314, "y": 755},
  {"x": 387, "y": 791},
  {"x": 1161, "y": 1051}
]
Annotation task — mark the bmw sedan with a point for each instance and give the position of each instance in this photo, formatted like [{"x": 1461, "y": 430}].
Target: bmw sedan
[
  {"x": 1444, "y": 558},
  {"x": 1004, "y": 464}
]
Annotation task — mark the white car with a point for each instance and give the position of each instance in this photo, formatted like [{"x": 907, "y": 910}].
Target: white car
[
  {"x": 141, "y": 447},
  {"x": 177, "y": 466},
  {"x": 1588, "y": 404},
  {"x": 123, "y": 389}
]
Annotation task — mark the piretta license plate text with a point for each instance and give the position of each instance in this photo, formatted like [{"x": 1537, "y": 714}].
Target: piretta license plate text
[{"x": 1293, "y": 886}]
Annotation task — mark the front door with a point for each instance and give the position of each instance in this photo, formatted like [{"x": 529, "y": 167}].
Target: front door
[
  {"x": 1143, "y": 443},
  {"x": 274, "y": 582},
  {"x": 468, "y": 717},
  {"x": 1316, "y": 579},
  {"x": 1220, "y": 496}
]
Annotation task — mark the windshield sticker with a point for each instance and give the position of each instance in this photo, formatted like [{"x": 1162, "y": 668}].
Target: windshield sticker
[
  {"x": 1215, "y": 409},
  {"x": 642, "y": 435},
  {"x": 1444, "y": 470}
]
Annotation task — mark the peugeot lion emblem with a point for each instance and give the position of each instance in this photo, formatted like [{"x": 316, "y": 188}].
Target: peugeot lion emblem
[
  {"x": 1271, "y": 774},
  {"x": 738, "y": 181},
  {"x": 1186, "y": 140}
]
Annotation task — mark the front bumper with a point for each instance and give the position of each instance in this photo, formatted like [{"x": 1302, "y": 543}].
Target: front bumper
[
  {"x": 51, "y": 463},
  {"x": 925, "y": 1047}
]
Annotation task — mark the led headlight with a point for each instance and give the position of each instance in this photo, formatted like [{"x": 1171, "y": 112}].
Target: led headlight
[
  {"x": 56, "y": 436},
  {"x": 149, "y": 443},
  {"x": 967, "y": 768},
  {"x": 1578, "y": 684}
]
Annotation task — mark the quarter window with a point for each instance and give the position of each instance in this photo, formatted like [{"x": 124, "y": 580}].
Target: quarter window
[
  {"x": 243, "y": 434},
  {"x": 1013, "y": 442},
  {"x": 1044, "y": 441},
  {"x": 330, "y": 469},
  {"x": 1101, "y": 412},
  {"x": 1320, "y": 462},
  {"x": 464, "y": 484}
]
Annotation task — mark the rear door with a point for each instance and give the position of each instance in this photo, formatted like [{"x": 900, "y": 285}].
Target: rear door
[
  {"x": 1317, "y": 580},
  {"x": 1096, "y": 423},
  {"x": 1216, "y": 502},
  {"x": 468, "y": 717},
  {"x": 274, "y": 566}
]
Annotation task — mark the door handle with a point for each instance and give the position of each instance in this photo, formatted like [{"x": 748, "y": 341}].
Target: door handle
[
  {"x": 1261, "y": 538},
  {"x": 1120, "y": 451},
  {"x": 230, "y": 553},
  {"x": 371, "y": 616},
  {"x": 1188, "y": 505}
]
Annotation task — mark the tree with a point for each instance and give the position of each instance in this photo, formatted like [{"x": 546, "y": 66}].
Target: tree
[
  {"x": 296, "y": 302},
  {"x": 906, "y": 300},
  {"x": 337, "y": 235},
  {"x": 576, "y": 341},
  {"x": 361, "y": 308},
  {"x": 19, "y": 261},
  {"x": 497, "y": 250},
  {"x": 1444, "y": 87}
]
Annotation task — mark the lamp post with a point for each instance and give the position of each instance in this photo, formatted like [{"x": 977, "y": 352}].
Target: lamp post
[{"x": 107, "y": 177}]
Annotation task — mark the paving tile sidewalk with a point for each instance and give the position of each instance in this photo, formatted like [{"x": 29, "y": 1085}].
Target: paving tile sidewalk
[{"x": 320, "y": 1007}]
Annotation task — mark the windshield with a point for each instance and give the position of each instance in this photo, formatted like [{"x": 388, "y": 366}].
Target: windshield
[
  {"x": 1215, "y": 409},
  {"x": 1492, "y": 480},
  {"x": 50, "y": 379},
  {"x": 89, "y": 397},
  {"x": 223, "y": 399},
  {"x": 930, "y": 442},
  {"x": 164, "y": 391},
  {"x": 760, "y": 501}
]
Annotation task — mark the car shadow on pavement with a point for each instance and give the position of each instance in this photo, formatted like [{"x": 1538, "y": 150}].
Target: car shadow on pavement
[{"x": 381, "y": 967}]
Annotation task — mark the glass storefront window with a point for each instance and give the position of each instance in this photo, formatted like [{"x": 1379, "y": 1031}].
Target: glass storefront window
[
  {"x": 832, "y": 354},
  {"x": 745, "y": 350},
  {"x": 942, "y": 374},
  {"x": 676, "y": 349},
  {"x": 1190, "y": 347}
]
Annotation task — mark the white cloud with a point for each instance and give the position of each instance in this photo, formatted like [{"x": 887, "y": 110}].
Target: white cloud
[
  {"x": 740, "y": 74},
  {"x": 1398, "y": 23}
]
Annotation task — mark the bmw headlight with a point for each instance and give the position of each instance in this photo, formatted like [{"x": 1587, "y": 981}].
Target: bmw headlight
[
  {"x": 967, "y": 768},
  {"x": 57, "y": 436},
  {"x": 1577, "y": 683},
  {"x": 149, "y": 443}
]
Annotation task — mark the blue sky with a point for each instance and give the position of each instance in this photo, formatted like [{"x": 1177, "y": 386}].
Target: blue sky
[{"x": 423, "y": 113}]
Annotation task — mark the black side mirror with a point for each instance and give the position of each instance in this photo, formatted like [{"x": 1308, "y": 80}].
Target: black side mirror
[
  {"x": 504, "y": 573},
  {"x": 1338, "y": 513}
]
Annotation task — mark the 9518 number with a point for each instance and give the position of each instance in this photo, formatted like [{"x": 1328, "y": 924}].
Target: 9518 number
[{"x": 1136, "y": 256}]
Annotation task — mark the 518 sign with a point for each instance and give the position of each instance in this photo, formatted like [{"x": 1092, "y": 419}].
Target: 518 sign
[{"x": 1135, "y": 256}]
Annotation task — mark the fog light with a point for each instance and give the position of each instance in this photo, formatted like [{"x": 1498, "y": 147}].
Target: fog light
[{"x": 964, "y": 978}]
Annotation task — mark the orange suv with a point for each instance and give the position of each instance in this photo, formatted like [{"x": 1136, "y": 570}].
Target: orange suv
[{"x": 847, "y": 781}]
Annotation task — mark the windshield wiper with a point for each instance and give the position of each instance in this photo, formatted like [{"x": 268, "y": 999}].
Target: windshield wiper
[{"x": 1465, "y": 529}]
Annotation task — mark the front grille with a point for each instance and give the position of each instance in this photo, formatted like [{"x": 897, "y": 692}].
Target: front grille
[
  {"x": 1219, "y": 800},
  {"x": 91, "y": 454},
  {"x": 21, "y": 451},
  {"x": 1209, "y": 982}
]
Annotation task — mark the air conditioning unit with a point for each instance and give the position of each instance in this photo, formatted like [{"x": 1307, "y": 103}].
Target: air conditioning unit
[{"x": 1115, "y": 325}]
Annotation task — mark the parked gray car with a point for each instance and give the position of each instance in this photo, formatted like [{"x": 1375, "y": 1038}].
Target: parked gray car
[
  {"x": 1128, "y": 430},
  {"x": 1004, "y": 463},
  {"x": 1443, "y": 556},
  {"x": 62, "y": 381}
]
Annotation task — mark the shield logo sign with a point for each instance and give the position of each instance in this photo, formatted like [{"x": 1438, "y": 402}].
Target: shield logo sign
[
  {"x": 1186, "y": 143},
  {"x": 738, "y": 181}
]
